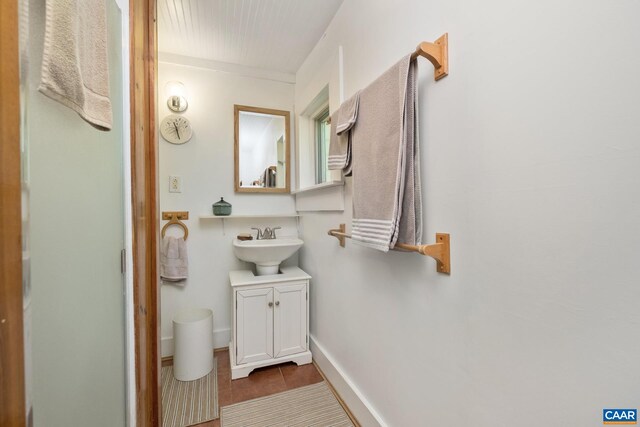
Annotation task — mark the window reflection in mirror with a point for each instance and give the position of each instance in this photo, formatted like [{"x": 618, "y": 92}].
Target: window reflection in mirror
[{"x": 261, "y": 150}]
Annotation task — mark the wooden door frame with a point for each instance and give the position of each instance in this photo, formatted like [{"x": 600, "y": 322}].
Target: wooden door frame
[
  {"x": 12, "y": 382},
  {"x": 144, "y": 200},
  {"x": 144, "y": 190}
]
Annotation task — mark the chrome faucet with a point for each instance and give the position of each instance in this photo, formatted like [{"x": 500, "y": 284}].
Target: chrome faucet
[
  {"x": 259, "y": 235},
  {"x": 267, "y": 233},
  {"x": 273, "y": 232}
]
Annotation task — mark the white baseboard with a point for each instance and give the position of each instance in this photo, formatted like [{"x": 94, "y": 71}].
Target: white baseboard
[
  {"x": 221, "y": 338},
  {"x": 359, "y": 406}
]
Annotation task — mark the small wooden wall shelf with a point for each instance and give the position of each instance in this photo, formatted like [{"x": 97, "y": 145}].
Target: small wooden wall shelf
[{"x": 440, "y": 251}]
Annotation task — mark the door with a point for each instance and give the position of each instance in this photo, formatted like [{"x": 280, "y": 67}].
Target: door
[
  {"x": 73, "y": 204},
  {"x": 254, "y": 325},
  {"x": 290, "y": 319}
]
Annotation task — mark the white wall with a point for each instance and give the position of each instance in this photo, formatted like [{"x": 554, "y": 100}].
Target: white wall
[
  {"x": 530, "y": 160},
  {"x": 206, "y": 166}
]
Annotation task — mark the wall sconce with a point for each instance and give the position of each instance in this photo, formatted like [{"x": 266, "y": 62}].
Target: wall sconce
[{"x": 177, "y": 94}]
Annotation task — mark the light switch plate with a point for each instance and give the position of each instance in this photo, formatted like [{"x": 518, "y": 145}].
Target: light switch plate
[{"x": 175, "y": 184}]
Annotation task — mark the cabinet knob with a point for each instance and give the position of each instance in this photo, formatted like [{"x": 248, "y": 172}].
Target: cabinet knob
[
  {"x": 277, "y": 303},
  {"x": 270, "y": 304}
]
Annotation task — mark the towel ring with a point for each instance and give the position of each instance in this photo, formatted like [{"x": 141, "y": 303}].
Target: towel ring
[{"x": 175, "y": 220}]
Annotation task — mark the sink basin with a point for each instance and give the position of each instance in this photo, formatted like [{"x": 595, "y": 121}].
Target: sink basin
[{"x": 266, "y": 254}]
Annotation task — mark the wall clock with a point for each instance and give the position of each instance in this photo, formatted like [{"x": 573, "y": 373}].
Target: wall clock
[{"x": 176, "y": 129}]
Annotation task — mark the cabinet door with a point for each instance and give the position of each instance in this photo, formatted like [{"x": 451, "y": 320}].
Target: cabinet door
[
  {"x": 254, "y": 327},
  {"x": 290, "y": 319}
]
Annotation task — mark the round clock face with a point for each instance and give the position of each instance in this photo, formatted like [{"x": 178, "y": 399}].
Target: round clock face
[{"x": 176, "y": 129}]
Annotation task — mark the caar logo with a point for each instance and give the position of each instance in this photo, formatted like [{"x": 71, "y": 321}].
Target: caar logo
[{"x": 620, "y": 416}]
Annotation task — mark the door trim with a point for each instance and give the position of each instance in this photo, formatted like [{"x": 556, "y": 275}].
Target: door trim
[
  {"x": 144, "y": 195},
  {"x": 12, "y": 383},
  {"x": 144, "y": 217}
]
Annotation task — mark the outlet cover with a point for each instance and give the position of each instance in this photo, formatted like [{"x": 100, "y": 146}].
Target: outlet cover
[{"x": 175, "y": 184}]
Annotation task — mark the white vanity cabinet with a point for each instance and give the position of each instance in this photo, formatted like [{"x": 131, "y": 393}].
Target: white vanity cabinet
[{"x": 270, "y": 320}]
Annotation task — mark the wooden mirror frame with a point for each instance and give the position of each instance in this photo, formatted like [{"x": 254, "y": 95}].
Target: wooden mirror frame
[{"x": 287, "y": 156}]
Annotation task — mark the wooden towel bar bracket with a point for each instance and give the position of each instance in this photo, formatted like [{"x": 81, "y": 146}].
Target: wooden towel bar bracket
[
  {"x": 437, "y": 53},
  {"x": 175, "y": 218},
  {"x": 440, "y": 251}
]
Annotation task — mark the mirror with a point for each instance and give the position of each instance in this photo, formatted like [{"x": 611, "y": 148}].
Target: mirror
[{"x": 261, "y": 150}]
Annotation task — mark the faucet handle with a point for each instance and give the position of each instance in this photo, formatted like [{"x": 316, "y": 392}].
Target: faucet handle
[
  {"x": 273, "y": 231},
  {"x": 267, "y": 233},
  {"x": 259, "y": 234}
]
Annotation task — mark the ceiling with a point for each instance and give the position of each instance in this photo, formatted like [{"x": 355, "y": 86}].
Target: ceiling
[{"x": 269, "y": 34}]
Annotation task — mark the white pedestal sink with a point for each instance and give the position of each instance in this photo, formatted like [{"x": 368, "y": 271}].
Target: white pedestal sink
[{"x": 267, "y": 254}]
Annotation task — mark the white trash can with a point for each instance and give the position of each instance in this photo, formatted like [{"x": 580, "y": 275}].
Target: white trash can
[{"x": 193, "y": 344}]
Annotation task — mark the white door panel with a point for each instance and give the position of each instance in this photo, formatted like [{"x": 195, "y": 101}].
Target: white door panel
[
  {"x": 290, "y": 319},
  {"x": 75, "y": 208},
  {"x": 254, "y": 336}
]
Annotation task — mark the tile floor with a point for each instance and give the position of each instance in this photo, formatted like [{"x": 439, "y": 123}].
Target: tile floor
[{"x": 261, "y": 382}]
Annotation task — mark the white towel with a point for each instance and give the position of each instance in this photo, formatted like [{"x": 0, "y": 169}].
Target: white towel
[
  {"x": 339, "y": 147},
  {"x": 386, "y": 171},
  {"x": 342, "y": 121},
  {"x": 348, "y": 114},
  {"x": 174, "y": 262},
  {"x": 75, "y": 69}
]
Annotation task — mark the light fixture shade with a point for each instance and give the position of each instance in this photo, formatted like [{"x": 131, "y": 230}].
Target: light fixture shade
[{"x": 176, "y": 96}]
